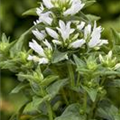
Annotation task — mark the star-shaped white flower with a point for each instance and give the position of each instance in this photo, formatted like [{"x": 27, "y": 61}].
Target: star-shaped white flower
[
  {"x": 43, "y": 57},
  {"x": 81, "y": 25},
  {"x": 44, "y": 17},
  {"x": 94, "y": 36},
  {"x": 76, "y": 6},
  {"x": 64, "y": 32},
  {"x": 40, "y": 35},
  {"x": 69, "y": 7}
]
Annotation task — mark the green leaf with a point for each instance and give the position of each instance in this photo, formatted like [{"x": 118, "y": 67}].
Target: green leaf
[
  {"x": 48, "y": 80},
  {"x": 88, "y": 3},
  {"x": 116, "y": 37},
  {"x": 72, "y": 112},
  {"x": 22, "y": 109},
  {"x": 114, "y": 83},
  {"x": 27, "y": 77},
  {"x": 4, "y": 38},
  {"x": 59, "y": 56},
  {"x": 92, "y": 18},
  {"x": 9, "y": 64},
  {"x": 20, "y": 43},
  {"x": 30, "y": 12},
  {"x": 91, "y": 92},
  {"x": 106, "y": 72},
  {"x": 80, "y": 63},
  {"x": 40, "y": 117},
  {"x": 20, "y": 87},
  {"x": 54, "y": 88},
  {"x": 108, "y": 111},
  {"x": 38, "y": 100}
]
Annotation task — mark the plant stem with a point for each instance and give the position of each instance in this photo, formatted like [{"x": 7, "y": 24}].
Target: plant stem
[
  {"x": 50, "y": 113},
  {"x": 85, "y": 102},
  {"x": 78, "y": 80},
  {"x": 92, "y": 113},
  {"x": 71, "y": 74},
  {"x": 65, "y": 97}
]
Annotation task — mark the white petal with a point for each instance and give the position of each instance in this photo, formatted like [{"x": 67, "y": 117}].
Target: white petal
[
  {"x": 77, "y": 43},
  {"x": 39, "y": 35},
  {"x": 65, "y": 30},
  {"x": 46, "y": 18},
  {"x": 87, "y": 31},
  {"x": 48, "y": 3},
  {"x": 75, "y": 8},
  {"x": 80, "y": 26},
  {"x": 62, "y": 25},
  {"x": 34, "y": 58},
  {"x": 52, "y": 33},
  {"x": 102, "y": 42},
  {"x": 43, "y": 61},
  {"x": 47, "y": 44},
  {"x": 37, "y": 48},
  {"x": 37, "y": 22},
  {"x": 57, "y": 42},
  {"x": 95, "y": 37},
  {"x": 30, "y": 57},
  {"x": 39, "y": 10}
]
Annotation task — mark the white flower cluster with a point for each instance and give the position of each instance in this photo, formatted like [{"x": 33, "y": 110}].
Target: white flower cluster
[
  {"x": 67, "y": 7},
  {"x": 64, "y": 35},
  {"x": 67, "y": 36}
]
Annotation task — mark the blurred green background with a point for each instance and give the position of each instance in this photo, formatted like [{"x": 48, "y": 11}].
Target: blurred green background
[{"x": 14, "y": 24}]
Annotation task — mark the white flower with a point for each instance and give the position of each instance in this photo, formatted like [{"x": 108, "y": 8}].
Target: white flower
[
  {"x": 81, "y": 25},
  {"x": 76, "y": 6},
  {"x": 77, "y": 43},
  {"x": 39, "y": 35},
  {"x": 87, "y": 31},
  {"x": 52, "y": 33},
  {"x": 65, "y": 30},
  {"x": 40, "y": 10},
  {"x": 94, "y": 36},
  {"x": 69, "y": 7},
  {"x": 48, "y": 4},
  {"x": 34, "y": 58},
  {"x": 47, "y": 44},
  {"x": 37, "y": 48},
  {"x": 44, "y": 54},
  {"x": 43, "y": 61},
  {"x": 57, "y": 42},
  {"x": 44, "y": 18}
]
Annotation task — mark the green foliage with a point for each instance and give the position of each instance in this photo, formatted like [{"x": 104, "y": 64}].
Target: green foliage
[{"x": 59, "y": 81}]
